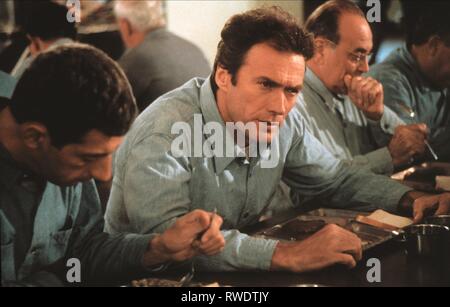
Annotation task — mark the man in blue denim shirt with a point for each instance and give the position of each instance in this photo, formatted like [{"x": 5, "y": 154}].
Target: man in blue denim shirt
[
  {"x": 416, "y": 77},
  {"x": 68, "y": 114},
  {"x": 258, "y": 74}
]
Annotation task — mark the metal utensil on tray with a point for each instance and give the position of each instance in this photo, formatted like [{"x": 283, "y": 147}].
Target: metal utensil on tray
[{"x": 408, "y": 111}]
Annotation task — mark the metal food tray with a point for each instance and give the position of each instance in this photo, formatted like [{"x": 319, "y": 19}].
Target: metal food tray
[
  {"x": 371, "y": 236},
  {"x": 155, "y": 282}
]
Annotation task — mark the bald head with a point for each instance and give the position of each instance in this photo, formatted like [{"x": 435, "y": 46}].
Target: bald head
[
  {"x": 354, "y": 31},
  {"x": 324, "y": 21}
]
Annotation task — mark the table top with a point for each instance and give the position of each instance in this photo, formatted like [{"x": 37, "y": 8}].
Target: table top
[{"x": 397, "y": 268}]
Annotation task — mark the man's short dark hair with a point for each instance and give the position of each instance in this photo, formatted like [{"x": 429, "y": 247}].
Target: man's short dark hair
[
  {"x": 269, "y": 25},
  {"x": 324, "y": 21},
  {"x": 47, "y": 20},
  {"x": 73, "y": 89},
  {"x": 423, "y": 20}
]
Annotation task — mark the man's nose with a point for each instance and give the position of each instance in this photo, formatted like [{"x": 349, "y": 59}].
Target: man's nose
[
  {"x": 277, "y": 105},
  {"x": 102, "y": 170},
  {"x": 363, "y": 66}
]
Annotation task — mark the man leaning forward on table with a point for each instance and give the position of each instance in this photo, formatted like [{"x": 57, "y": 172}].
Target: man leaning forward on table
[
  {"x": 258, "y": 74},
  {"x": 67, "y": 116}
]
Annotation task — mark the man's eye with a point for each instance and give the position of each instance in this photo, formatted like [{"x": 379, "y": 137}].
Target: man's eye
[
  {"x": 266, "y": 84},
  {"x": 292, "y": 91}
]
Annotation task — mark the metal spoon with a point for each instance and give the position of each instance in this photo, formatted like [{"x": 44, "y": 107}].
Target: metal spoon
[
  {"x": 186, "y": 279},
  {"x": 412, "y": 115}
]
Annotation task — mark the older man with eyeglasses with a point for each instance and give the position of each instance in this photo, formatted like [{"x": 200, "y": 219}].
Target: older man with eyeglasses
[{"x": 344, "y": 109}]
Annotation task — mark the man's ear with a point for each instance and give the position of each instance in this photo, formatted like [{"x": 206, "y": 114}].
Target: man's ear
[
  {"x": 319, "y": 49},
  {"x": 35, "y": 136},
  {"x": 126, "y": 27},
  {"x": 35, "y": 45},
  {"x": 222, "y": 78}
]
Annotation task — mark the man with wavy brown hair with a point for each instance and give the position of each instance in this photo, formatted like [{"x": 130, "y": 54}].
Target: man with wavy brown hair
[
  {"x": 258, "y": 75},
  {"x": 68, "y": 114}
]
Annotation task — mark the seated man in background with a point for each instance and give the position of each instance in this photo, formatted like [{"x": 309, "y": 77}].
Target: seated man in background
[
  {"x": 345, "y": 110},
  {"x": 256, "y": 80},
  {"x": 68, "y": 114},
  {"x": 157, "y": 61},
  {"x": 46, "y": 25},
  {"x": 416, "y": 77}
]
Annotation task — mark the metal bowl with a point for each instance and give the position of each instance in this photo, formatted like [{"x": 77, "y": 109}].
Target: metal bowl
[
  {"x": 443, "y": 220},
  {"x": 427, "y": 240}
]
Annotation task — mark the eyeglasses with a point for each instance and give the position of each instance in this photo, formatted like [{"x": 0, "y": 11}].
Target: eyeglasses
[
  {"x": 355, "y": 58},
  {"x": 359, "y": 58}
]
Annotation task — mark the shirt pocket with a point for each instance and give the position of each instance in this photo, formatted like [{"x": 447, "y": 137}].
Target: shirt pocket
[{"x": 8, "y": 263}]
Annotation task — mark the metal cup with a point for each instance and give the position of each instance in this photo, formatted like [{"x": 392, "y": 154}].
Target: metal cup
[
  {"x": 426, "y": 240},
  {"x": 443, "y": 220}
]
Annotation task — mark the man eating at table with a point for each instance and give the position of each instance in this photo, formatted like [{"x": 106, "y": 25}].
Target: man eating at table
[
  {"x": 416, "y": 77},
  {"x": 67, "y": 115},
  {"x": 258, "y": 75}
]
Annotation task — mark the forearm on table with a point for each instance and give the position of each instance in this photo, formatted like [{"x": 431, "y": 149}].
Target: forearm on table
[{"x": 241, "y": 252}]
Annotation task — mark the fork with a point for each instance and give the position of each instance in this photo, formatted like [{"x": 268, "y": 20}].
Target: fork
[
  {"x": 187, "y": 278},
  {"x": 412, "y": 115}
]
